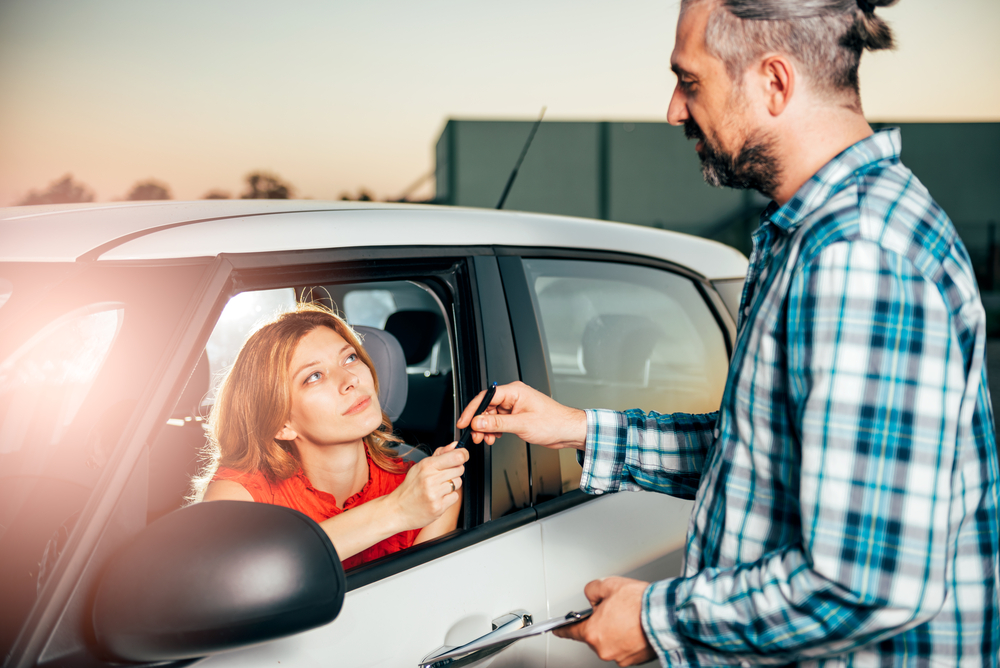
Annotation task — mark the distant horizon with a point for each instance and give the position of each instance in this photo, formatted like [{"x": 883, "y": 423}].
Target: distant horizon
[{"x": 336, "y": 97}]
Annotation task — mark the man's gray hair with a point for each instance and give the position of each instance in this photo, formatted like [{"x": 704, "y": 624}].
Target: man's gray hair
[{"x": 825, "y": 37}]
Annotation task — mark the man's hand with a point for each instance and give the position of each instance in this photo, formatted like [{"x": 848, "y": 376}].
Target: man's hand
[
  {"x": 614, "y": 631},
  {"x": 535, "y": 417}
]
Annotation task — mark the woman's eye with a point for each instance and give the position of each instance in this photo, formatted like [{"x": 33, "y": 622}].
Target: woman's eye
[
  {"x": 314, "y": 376},
  {"x": 353, "y": 357}
]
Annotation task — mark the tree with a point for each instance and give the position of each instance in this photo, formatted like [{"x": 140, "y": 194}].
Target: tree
[
  {"x": 60, "y": 191},
  {"x": 363, "y": 196},
  {"x": 264, "y": 185},
  {"x": 149, "y": 189},
  {"x": 215, "y": 193}
]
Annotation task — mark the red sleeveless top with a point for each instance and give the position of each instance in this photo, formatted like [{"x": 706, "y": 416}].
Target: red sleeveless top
[{"x": 298, "y": 493}]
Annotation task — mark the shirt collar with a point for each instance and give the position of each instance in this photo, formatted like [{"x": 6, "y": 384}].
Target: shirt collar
[{"x": 880, "y": 146}]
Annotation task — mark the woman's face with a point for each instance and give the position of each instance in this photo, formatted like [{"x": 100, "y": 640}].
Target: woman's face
[{"x": 332, "y": 393}]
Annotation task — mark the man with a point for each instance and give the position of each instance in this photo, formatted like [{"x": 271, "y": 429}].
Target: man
[{"x": 847, "y": 510}]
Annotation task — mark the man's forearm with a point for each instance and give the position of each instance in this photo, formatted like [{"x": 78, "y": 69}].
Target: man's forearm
[{"x": 635, "y": 450}]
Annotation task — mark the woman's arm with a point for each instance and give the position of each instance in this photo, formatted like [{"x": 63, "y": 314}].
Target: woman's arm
[
  {"x": 424, "y": 500},
  {"x": 442, "y": 525},
  {"x": 226, "y": 490}
]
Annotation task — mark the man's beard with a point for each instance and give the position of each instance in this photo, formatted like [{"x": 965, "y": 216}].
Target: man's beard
[{"x": 755, "y": 167}]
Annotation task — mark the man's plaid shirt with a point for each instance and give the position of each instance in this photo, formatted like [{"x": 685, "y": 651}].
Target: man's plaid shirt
[{"x": 846, "y": 509}]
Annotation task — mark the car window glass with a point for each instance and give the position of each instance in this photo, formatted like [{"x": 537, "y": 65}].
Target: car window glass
[
  {"x": 241, "y": 316},
  {"x": 369, "y": 308},
  {"x": 622, "y": 336},
  {"x": 6, "y": 289},
  {"x": 53, "y": 371}
]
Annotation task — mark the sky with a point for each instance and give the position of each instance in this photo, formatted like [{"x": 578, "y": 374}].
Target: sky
[{"x": 338, "y": 95}]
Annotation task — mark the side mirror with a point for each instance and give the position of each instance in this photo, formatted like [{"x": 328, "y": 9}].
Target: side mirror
[{"x": 217, "y": 576}]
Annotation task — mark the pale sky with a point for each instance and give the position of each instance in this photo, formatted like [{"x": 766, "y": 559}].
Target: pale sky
[{"x": 337, "y": 95}]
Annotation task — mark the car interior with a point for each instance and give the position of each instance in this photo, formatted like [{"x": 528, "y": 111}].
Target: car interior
[{"x": 403, "y": 329}]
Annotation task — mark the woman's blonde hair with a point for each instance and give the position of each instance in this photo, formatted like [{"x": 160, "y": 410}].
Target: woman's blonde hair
[{"x": 254, "y": 401}]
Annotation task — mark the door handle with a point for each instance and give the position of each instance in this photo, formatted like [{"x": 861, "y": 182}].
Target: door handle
[{"x": 501, "y": 626}]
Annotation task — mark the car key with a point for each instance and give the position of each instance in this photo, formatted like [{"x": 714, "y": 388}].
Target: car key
[{"x": 466, "y": 438}]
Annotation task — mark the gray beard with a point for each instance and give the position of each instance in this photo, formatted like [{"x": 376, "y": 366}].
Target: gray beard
[{"x": 755, "y": 167}]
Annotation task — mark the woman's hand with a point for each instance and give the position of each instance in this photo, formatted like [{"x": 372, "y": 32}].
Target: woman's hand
[{"x": 430, "y": 488}]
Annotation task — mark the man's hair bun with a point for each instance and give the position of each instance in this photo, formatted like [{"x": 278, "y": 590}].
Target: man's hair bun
[{"x": 869, "y": 31}]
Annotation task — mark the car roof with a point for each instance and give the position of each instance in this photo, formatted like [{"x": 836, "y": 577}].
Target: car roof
[{"x": 176, "y": 230}]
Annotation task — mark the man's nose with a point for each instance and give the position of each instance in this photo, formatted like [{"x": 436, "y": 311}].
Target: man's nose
[{"x": 677, "y": 112}]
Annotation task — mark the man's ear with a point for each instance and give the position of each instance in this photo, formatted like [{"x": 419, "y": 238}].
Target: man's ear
[
  {"x": 778, "y": 77},
  {"x": 286, "y": 433}
]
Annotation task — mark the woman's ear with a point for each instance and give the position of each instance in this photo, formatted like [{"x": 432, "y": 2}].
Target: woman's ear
[{"x": 286, "y": 433}]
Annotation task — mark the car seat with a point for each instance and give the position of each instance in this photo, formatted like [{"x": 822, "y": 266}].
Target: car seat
[
  {"x": 618, "y": 348},
  {"x": 429, "y": 416},
  {"x": 389, "y": 361}
]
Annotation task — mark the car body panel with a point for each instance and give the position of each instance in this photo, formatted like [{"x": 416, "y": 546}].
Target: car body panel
[
  {"x": 200, "y": 229},
  {"x": 641, "y": 535},
  {"x": 373, "y": 630}
]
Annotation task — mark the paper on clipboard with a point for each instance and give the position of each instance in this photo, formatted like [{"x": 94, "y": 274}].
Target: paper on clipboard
[{"x": 491, "y": 640}]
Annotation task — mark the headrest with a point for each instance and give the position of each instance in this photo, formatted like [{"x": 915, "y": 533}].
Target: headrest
[
  {"x": 617, "y": 346},
  {"x": 417, "y": 331},
  {"x": 390, "y": 367}
]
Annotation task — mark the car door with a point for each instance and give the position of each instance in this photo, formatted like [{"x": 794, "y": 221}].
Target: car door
[
  {"x": 401, "y": 608},
  {"x": 598, "y": 330}
]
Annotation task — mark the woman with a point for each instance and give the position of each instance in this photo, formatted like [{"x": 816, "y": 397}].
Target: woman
[{"x": 297, "y": 423}]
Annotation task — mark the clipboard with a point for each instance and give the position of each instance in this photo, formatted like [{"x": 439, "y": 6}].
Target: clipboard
[{"x": 499, "y": 641}]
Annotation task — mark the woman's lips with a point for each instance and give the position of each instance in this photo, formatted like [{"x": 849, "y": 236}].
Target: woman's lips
[{"x": 359, "y": 406}]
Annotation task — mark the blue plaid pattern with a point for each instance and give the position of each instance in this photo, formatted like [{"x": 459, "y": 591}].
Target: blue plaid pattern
[{"x": 846, "y": 509}]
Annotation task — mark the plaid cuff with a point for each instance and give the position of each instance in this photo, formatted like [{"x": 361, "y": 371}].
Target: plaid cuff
[
  {"x": 658, "y": 622},
  {"x": 604, "y": 454}
]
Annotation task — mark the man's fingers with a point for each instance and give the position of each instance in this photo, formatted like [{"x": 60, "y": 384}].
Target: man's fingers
[
  {"x": 495, "y": 424},
  {"x": 470, "y": 410},
  {"x": 595, "y": 591},
  {"x": 572, "y": 631}
]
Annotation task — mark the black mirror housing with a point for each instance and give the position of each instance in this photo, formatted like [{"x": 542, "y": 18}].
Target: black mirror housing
[{"x": 217, "y": 576}]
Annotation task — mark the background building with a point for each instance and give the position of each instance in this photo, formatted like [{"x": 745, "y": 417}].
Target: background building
[{"x": 649, "y": 174}]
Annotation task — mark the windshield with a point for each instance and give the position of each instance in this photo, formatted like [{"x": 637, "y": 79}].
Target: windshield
[{"x": 79, "y": 347}]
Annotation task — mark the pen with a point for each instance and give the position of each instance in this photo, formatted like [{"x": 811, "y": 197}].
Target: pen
[{"x": 463, "y": 442}]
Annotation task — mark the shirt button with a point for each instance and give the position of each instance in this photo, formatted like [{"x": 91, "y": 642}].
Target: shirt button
[
  {"x": 715, "y": 432},
  {"x": 745, "y": 664},
  {"x": 746, "y": 310}
]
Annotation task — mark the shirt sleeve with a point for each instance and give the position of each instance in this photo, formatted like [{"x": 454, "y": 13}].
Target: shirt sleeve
[
  {"x": 634, "y": 450},
  {"x": 876, "y": 378}
]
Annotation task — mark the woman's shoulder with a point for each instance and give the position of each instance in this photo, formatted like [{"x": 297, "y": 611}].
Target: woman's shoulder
[
  {"x": 261, "y": 488},
  {"x": 242, "y": 477}
]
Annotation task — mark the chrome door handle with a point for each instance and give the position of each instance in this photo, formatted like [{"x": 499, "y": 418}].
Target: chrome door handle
[{"x": 501, "y": 626}]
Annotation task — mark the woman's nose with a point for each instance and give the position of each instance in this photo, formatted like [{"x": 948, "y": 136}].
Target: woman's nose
[{"x": 348, "y": 380}]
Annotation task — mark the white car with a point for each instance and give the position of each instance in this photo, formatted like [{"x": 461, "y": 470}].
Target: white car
[{"x": 115, "y": 320}]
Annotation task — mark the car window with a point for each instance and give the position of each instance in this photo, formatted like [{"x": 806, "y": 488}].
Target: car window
[
  {"x": 623, "y": 336},
  {"x": 405, "y": 309},
  {"x": 53, "y": 371}
]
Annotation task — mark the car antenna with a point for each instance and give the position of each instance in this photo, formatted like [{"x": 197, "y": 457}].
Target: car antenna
[{"x": 524, "y": 151}]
